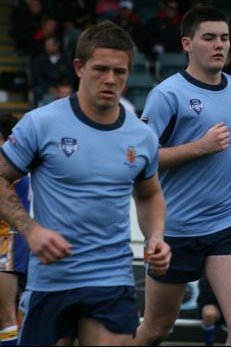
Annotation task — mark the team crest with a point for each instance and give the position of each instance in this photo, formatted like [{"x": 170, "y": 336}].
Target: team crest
[
  {"x": 131, "y": 156},
  {"x": 69, "y": 145},
  {"x": 196, "y": 105}
]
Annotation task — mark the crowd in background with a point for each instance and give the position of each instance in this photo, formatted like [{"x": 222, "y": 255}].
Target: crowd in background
[{"x": 46, "y": 32}]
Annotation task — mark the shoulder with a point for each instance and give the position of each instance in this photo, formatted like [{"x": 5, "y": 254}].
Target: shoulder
[
  {"x": 49, "y": 112},
  {"x": 170, "y": 83},
  {"x": 141, "y": 129}
]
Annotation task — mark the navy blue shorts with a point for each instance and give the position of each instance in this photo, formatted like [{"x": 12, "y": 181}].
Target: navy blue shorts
[
  {"x": 50, "y": 317},
  {"x": 189, "y": 255}
]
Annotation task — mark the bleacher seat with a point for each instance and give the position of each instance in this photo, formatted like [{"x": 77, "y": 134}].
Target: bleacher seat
[
  {"x": 169, "y": 64},
  {"x": 138, "y": 86}
]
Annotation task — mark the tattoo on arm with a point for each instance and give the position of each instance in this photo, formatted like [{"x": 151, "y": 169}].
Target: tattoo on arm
[{"x": 11, "y": 209}]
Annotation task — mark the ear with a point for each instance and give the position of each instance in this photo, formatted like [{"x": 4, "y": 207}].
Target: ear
[
  {"x": 78, "y": 67},
  {"x": 186, "y": 44}
]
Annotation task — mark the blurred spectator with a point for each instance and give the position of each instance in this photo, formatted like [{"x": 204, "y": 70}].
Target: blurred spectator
[
  {"x": 129, "y": 21},
  {"x": 49, "y": 27},
  {"x": 162, "y": 31},
  {"x": 26, "y": 18},
  {"x": 106, "y": 9},
  {"x": 49, "y": 68},
  {"x": 187, "y": 5},
  {"x": 79, "y": 12},
  {"x": 209, "y": 310},
  {"x": 61, "y": 90}
]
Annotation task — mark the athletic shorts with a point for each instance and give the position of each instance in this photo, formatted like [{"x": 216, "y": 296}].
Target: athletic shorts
[
  {"x": 48, "y": 317},
  {"x": 189, "y": 255},
  {"x": 14, "y": 254}
]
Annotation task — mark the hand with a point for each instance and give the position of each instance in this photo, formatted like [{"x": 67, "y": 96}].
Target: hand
[
  {"x": 47, "y": 245},
  {"x": 158, "y": 256},
  {"x": 215, "y": 140}
]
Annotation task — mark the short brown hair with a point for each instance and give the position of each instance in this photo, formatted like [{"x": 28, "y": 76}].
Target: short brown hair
[
  {"x": 194, "y": 17},
  {"x": 105, "y": 34}
]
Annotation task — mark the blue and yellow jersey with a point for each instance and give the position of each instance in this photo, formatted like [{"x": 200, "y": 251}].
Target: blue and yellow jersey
[
  {"x": 13, "y": 248},
  {"x": 4, "y": 229}
]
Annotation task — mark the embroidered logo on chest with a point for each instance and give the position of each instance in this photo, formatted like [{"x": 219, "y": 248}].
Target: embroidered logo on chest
[
  {"x": 69, "y": 145},
  {"x": 131, "y": 156},
  {"x": 196, "y": 105}
]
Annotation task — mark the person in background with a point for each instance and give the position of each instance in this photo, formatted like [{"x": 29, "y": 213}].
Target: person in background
[
  {"x": 49, "y": 68},
  {"x": 190, "y": 114},
  {"x": 127, "y": 19},
  {"x": 61, "y": 90},
  {"x": 106, "y": 9},
  {"x": 26, "y": 19},
  {"x": 86, "y": 154},
  {"x": 162, "y": 32},
  {"x": 209, "y": 310},
  {"x": 13, "y": 254}
]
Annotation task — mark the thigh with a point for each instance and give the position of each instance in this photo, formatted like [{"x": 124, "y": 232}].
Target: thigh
[
  {"x": 68, "y": 341},
  {"x": 162, "y": 302},
  {"x": 217, "y": 269},
  {"x": 93, "y": 333}
]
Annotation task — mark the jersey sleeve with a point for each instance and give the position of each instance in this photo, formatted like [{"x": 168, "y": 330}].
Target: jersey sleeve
[
  {"x": 21, "y": 147},
  {"x": 158, "y": 112},
  {"x": 151, "y": 167}
]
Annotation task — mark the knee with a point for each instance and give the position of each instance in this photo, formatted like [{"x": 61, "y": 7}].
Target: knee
[
  {"x": 160, "y": 333},
  {"x": 152, "y": 335},
  {"x": 210, "y": 315}
]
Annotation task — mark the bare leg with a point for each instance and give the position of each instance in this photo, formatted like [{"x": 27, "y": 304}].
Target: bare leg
[
  {"x": 162, "y": 304},
  {"x": 217, "y": 271},
  {"x": 8, "y": 292},
  {"x": 67, "y": 341},
  {"x": 210, "y": 315},
  {"x": 93, "y": 333}
]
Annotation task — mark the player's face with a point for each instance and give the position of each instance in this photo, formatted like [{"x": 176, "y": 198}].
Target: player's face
[
  {"x": 209, "y": 47},
  {"x": 103, "y": 77}
]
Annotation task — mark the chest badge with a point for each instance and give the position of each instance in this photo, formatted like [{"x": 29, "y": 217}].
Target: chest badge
[
  {"x": 69, "y": 145},
  {"x": 196, "y": 105},
  {"x": 131, "y": 156}
]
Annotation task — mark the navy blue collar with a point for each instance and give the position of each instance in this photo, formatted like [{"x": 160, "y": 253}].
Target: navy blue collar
[
  {"x": 203, "y": 85},
  {"x": 83, "y": 118}
]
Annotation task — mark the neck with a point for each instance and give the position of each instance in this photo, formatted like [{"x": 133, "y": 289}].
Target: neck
[
  {"x": 99, "y": 114},
  {"x": 208, "y": 77}
]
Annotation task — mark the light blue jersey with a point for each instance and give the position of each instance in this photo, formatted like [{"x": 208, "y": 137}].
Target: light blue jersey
[
  {"x": 82, "y": 177},
  {"x": 198, "y": 193}
]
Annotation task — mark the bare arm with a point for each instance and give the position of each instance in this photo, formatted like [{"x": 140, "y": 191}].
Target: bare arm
[
  {"x": 215, "y": 140},
  {"x": 151, "y": 218},
  {"x": 48, "y": 245}
]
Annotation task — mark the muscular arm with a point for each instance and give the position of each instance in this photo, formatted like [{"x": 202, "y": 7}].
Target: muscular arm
[
  {"x": 150, "y": 208},
  {"x": 151, "y": 218},
  {"x": 11, "y": 209},
  {"x": 46, "y": 244},
  {"x": 215, "y": 140}
]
